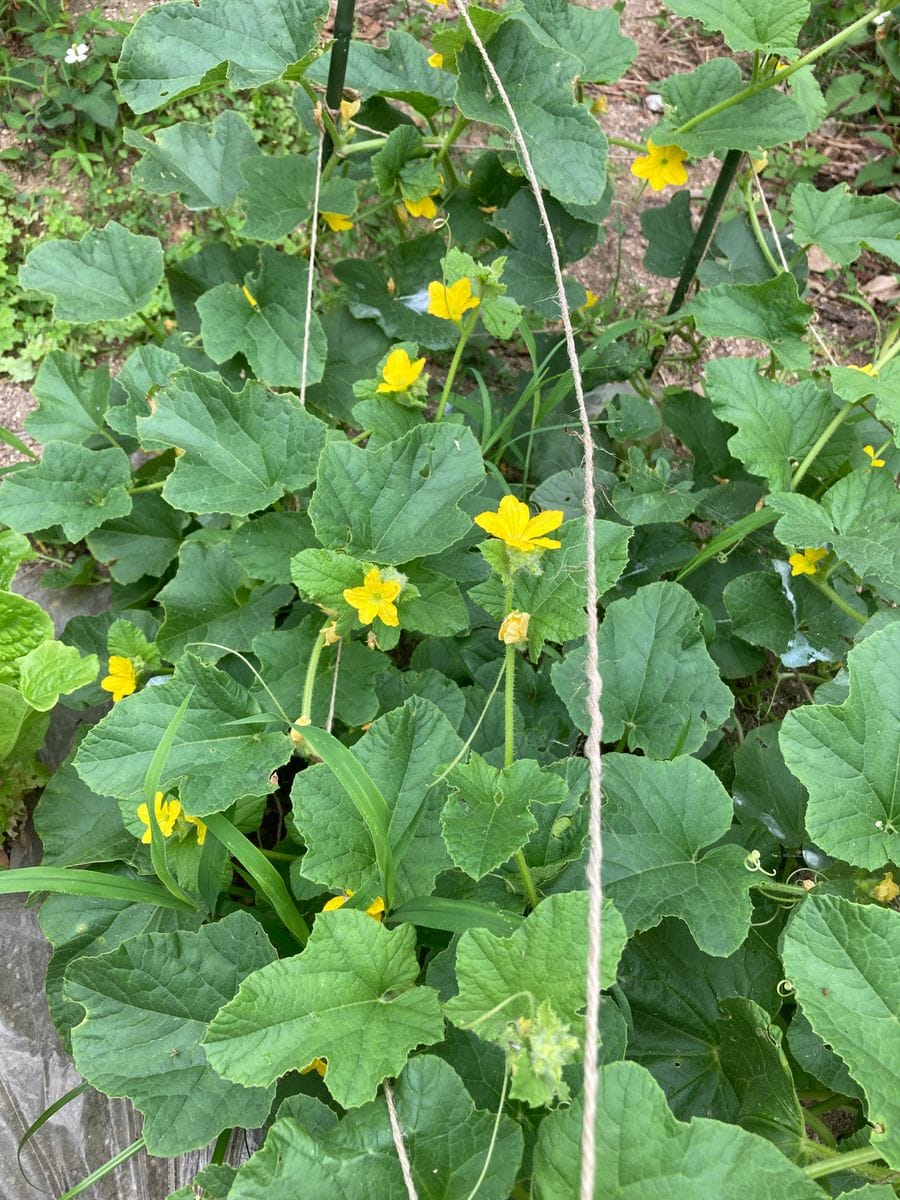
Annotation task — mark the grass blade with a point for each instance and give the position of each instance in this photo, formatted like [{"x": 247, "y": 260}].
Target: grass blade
[{"x": 74, "y": 882}]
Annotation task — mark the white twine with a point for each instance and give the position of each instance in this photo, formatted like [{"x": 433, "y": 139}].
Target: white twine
[
  {"x": 311, "y": 269},
  {"x": 334, "y": 683},
  {"x": 400, "y": 1147},
  {"x": 594, "y": 681}
]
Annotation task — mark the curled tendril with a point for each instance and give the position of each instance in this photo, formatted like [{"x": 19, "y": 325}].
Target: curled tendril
[
  {"x": 784, "y": 987},
  {"x": 752, "y": 863}
]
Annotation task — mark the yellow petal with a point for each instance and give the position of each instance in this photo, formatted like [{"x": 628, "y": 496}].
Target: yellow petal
[
  {"x": 435, "y": 60},
  {"x": 336, "y": 221}
]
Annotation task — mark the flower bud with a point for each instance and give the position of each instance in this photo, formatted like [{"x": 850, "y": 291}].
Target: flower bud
[{"x": 514, "y": 628}]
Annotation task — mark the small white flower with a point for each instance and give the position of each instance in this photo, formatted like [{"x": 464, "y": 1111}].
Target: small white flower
[{"x": 77, "y": 53}]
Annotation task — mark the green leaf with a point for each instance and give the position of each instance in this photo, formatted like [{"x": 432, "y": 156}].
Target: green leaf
[
  {"x": 788, "y": 616},
  {"x": 78, "y": 827},
  {"x": 14, "y": 549},
  {"x": 659, "y": 818},
  {"x": 85, "y": 926},
  {"x": 399, "y": 502},
  {"x": 843, "y": 962},
  {"x": 23, "y": 626},
  {"x": 322, "y": 576},
  {"x": 770, "y": 312},
  {"x": 173, "y": 51},
  {"x": 439, "y": 610},
  {"x": 51, "y": 670},
  {"x": 241, "y": 451},
  {"x": 270, "y": 331},
  {"x": 859, "y": 517},
  {"x": 676, "y": 996},
  {"x": 690, "y": 418},
  {"x": 567, "y": 147},
  {"x": 447, "y": 1141},
  {"x": 502, "y": 979},
  {"x": 594, "y": 35},
  {"x": 401, "y": 752},
  {"x": 402, "y": 315},
  {"x": 488, "y": 815},
  {"x": 647, "y": 1154},
  {"x": 653, "y": 495},
  {"x": 276, "y": 194},
  {"x": 166, "y": 1074},
  {"x": 216, "y": 757},
  {"x": 669, "y": 232},
  {"x": 400, "y": 72},
  {"x": 73, "y": 400},
  {"x": 556, "y": 597},
  {"x": 71, "y": 486},
  {"x": 264, "y": 548},
  {"x": 776, "y": 424},
  {"x": 766, "y": 119},
  {"x": 210, "y": 600},
  {"x": 143, "y": 543},
  {"x": 765, "y": 790},
  {"x": 841, "y": 223},
  {"x": 848, "y": 758},
  {"x": 199, "y": 162},
  {"x": 13, "y": 715},
  {"x": 145, "y": 369},
  {"x": 662, "y": 691},
  {"x": 815, "y": 1058},
  {"x": 350, "y": 997},
  {"x": 772, "y": 26},
  {"x": 110, "y": 273}
]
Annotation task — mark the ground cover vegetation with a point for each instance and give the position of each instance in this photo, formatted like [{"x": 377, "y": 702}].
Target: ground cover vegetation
[{"x": 320, "y": 866}]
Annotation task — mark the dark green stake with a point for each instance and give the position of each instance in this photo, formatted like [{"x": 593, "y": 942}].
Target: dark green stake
[{"x": 337, "y": 71}]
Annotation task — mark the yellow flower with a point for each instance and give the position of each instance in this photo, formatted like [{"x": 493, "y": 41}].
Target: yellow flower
[
  {"x": 317, "y": 1064},
  {"x": 805, "y": 563},
  {"x": 375, "y": 599},
  {"x": 514, "y": 628},
  {"x": 868, "y": 369},
  {"x": 514, "y": 524},
  {"x": 336, "y": 221},
  {"x": 248, "y": 296},
  {"x": 874, "y": 462},
  {"x": 599, "y": 105},
  {"x": 421, "y": 208},
  {"x": 167, "y": 813},
  {"x": 760, "y": 164},
  {"x": 449, "y": 303},
  {"x": 591, "y": 298},
  {"x": 330, "y": 636},
  {"x": 399, "y": 372},
  {"x": 375, "y": 909},
  {"x": 435, "y": 60},
  {"x": 440, "y": 3},
  {"x": 661, "y": 166},
  {"x": 121, "y": 680},
  {"x": 349, "y": 109},
  {"x": 886, "y": 891}
]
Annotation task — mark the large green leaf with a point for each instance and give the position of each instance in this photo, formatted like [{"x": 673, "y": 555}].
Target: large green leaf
[
  {"x": 843, "y": 961},
  {"x": 770, "y": 312},
  {"x": 143, "y": 543},
  {"x": 658, "y": 818},
  {"x": 567, "y": 147},
  {"x": 185, "y": 978},
  {"x": 765, "y": 790},
  {"x": 145, "y": 369},
  {"x": 178, "y": 48},
  {"x": 276, "y": 194},
  {"x": 399, "y": 502},
  {"x": 848, "y": 758},
  {"x": 593, "y": 34},
  {"x": 211, "y": 600},
  {"x": 841, "y": 222},
  {"x": 556, "y": 597},
  {"x": 110, "y": 273},
  {"x": 776, "y": 424},
  {"x": 766, "y": 119},
  {"x": 401, "y": 752},
  {"x": 200, "y": 162},
  {"x": 14, "y": 549},
  {"x": 488, "y": 816},
  {"x": 264, "y": 547},
  {"x": 350, "y": 997},
  {"x": 51, "y": 670},
  {"x": 268, "y": 329},
  {"x": 447, "y": 1141},
  {"x": 241, "y": 451},
  {"x": 73, "y": 400},
  {"x": 502, "y": 979},
  {"x": 772, "y": 26},
  {"x": 23, "y": 625},
  {"x": 78, "y": 827},
  {"x": 661, "y": 691},
  {"x": 71, "y": 486},
  {"x": 788, "y": 616},
  {"x": 645, "y": 1153},
  {"x": 676, "y": 996},
  {"x": 400, "y": 72},
  {"x": 859, "y": 517},
  {"x": 215, "y": 759}
]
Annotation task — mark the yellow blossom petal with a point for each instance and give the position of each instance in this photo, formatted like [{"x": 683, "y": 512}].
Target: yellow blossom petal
[
  {"x": 375, "y": 909},
  {"x": 376, "y": 598},
  {"x": 805, "y": 563},
  {"x": 349, "y": 109},
  {"x": 336, "y": 221},
  {"x": 201, "y": 828},
  {"x": 421, "y": 208},
  {"x": 514, "y": 628},
  {"x": 166, "y": 813},
  {"x": 661, "y": 166},
  {"x": 318, "y": 1064},
  {"x": 121, "y": 680},
  {"x": 873, "y": 461},
  {"x": 248, "y": 296},
  {"x": 591, "y": 298},
  {"x": 435, "y": 60},
  {"x": 512, "y": 523},
  {"x": 399, "y": 372},
  {"x": 449, "y": 303},
  {"x": 885, "y": 891},
  {"x": 868, "y": 369}
]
